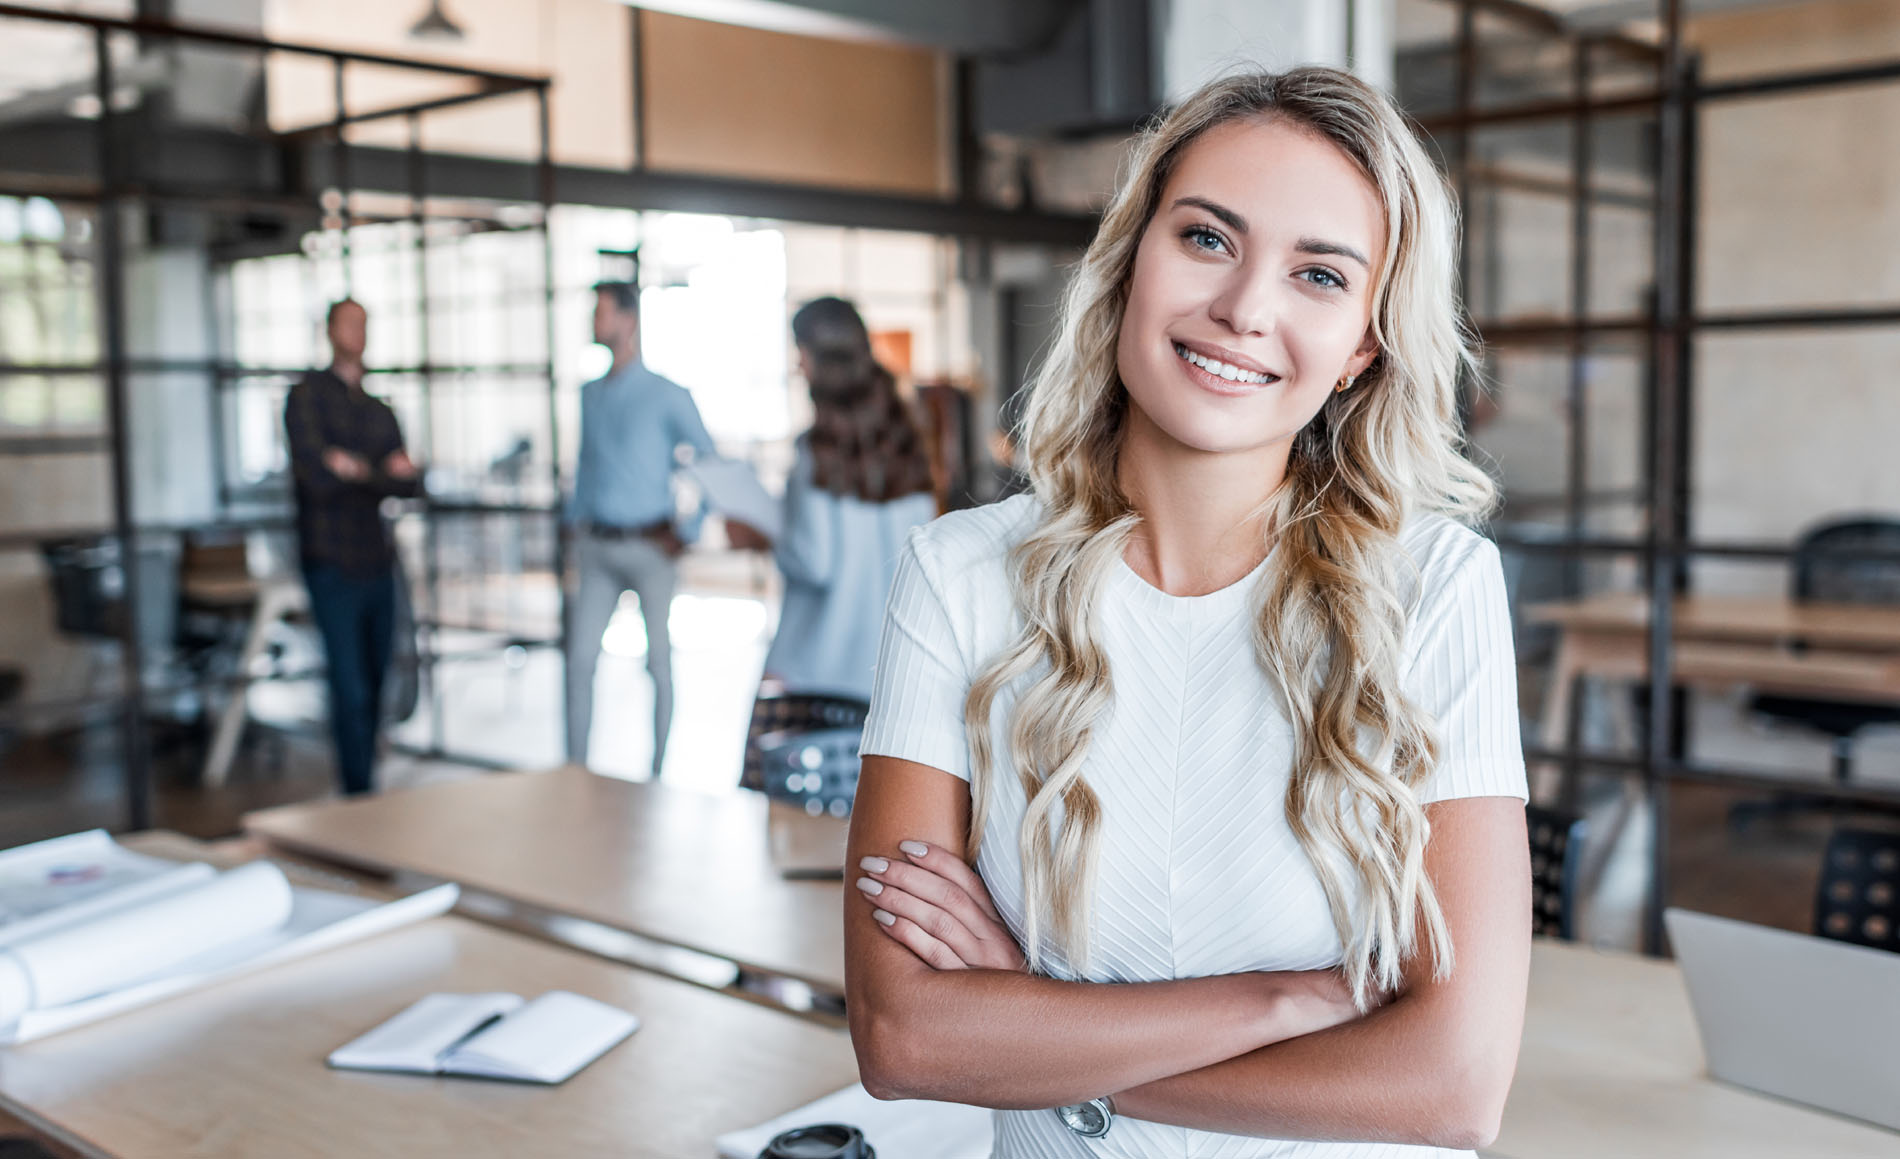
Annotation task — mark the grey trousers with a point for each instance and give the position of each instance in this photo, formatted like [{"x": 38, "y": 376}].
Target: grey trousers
[{"x": 608, "y": 567}]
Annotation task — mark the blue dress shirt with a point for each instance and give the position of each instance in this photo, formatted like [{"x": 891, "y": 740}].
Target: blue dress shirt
[{"x": 632, "y": 423}]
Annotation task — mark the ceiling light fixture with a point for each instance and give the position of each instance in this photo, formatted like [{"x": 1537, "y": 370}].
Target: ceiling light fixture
[{"x": 435, "y": 25}]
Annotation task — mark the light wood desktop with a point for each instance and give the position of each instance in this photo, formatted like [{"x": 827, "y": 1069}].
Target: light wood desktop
[
  {"x": 1612, "y": 1066},
  {"x": 672, "y": 865},
  {"x": 237, "y": 1071},
  {"x": 1611, "y": 1063}
]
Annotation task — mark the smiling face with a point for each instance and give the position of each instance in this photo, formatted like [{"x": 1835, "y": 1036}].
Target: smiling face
[{"x": 1251, "y": 294}]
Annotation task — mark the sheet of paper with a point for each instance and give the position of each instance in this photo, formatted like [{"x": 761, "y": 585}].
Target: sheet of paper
[
  {"x": 732, "y": 489},
  {"x": 910, "y": 1129},
  {"x": 45, "y": 883}
]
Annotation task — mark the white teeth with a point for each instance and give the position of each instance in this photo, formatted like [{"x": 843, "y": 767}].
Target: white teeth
[{"x": 1222, "y": 369}]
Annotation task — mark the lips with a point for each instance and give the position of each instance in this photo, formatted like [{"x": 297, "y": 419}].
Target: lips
[{"x": 1222, "y": 376}]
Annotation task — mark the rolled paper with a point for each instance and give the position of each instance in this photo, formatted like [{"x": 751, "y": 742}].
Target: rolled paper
[
  {"x": 16, "y": 990},
  {"x": 129, "y": 945}
]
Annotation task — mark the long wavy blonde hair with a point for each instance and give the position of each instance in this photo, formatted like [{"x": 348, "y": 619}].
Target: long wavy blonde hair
[{"x": 1331, "y": 616}]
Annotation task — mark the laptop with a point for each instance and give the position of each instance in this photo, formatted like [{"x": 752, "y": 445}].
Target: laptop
[{"x": 1801, "y": 1018}]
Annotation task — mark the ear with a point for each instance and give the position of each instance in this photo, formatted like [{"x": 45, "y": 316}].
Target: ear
[{"x": 1363, "y": 357}]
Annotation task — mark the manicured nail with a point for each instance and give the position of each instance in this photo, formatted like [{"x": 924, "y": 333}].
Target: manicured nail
[
  {"x": 874, "y": 865},
  {"x": 884, "y": 919},
  {"x": 913, "y": 848},
  {"x": 869, "y": 886}
]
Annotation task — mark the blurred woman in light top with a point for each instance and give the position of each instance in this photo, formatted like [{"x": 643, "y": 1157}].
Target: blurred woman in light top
[{"x": 859, "y": 482}]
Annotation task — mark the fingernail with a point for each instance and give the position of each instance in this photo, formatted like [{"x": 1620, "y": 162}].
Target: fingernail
[
  {"x": 913, "y": 848},
  {"x": 884, "y": 919},
  {"x": 869, "y": 886},
  {"x": 874, "y": 865}
]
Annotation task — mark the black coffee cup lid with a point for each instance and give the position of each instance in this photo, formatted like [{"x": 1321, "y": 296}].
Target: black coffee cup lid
[{"x": 819, "y": 1141}]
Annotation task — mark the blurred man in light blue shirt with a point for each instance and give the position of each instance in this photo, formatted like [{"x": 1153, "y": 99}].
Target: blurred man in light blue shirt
[{"x": 628, "y": 536}]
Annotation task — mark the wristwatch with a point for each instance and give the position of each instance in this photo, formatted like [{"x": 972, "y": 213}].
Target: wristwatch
[{"x": 1091, "y": 1120}]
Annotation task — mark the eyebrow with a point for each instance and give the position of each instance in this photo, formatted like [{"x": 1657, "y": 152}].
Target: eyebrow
[
  {"x": 1313, "y": 245},
  {"x": 1306, "y": 245}
]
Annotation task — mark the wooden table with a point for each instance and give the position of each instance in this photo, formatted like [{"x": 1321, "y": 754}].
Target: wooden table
[
  {"x": 1844, "y": 651},
  {"x": 1612, "y": 1066},
  {"x": 682, "y": 868},
  {"x": 237, "y": 1071},
  {"x": 1829, "y": 651},
  {"x": 1611, "y": 1063},
  {"x": 269, "y": 601}
]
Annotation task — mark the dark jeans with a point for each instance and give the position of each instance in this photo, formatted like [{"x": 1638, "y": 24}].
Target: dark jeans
[{"x": 356, "y": 615}]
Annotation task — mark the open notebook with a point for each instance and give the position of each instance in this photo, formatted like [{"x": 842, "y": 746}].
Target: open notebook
[{"x": 494, "y": 1036}]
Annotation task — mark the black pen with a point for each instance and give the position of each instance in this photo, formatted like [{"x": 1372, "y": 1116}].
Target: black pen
[{"x": 442, "y": 1055}]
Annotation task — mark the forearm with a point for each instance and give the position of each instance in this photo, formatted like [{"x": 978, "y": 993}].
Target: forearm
[
  {"x": 1012, "y": 1040},
  {"x": 1418, "y": 1071},
  {"x": 395, "y": 486}
]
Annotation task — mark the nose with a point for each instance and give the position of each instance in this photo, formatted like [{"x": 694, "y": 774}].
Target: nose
[{"x": 1249, "y": 303}]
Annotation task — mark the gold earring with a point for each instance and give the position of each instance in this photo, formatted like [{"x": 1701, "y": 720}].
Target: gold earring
[{"x": 1344, "y": 384}]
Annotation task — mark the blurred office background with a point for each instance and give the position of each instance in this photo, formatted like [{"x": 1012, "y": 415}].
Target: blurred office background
[{"x": 1680, "y": 221}]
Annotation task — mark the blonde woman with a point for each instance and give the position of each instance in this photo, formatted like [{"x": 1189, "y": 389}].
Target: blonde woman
[{"x": 1191, "y": 817}]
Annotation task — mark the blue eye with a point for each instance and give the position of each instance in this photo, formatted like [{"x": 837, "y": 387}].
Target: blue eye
[
  {"x": 1325, "y": 277},
  {"x": 1203, "y": 238}
]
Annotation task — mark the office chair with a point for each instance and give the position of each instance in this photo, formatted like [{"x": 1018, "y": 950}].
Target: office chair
[
  {"x": 87, "y": 576},
  {"x": 1858, "y": 899},
  {"x": 1824, "y": 573},
  {"x": 1556, "y": 868},
  {"x": 816, "y": 771},
  {"x": 784, "y": 715}
]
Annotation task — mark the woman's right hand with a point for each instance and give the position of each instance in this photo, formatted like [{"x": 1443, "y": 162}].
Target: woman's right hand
[{"x": 932, "y": 903}]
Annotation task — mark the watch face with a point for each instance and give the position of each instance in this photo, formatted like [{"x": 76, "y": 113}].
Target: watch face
[{"x": 1089, "y": 1120}]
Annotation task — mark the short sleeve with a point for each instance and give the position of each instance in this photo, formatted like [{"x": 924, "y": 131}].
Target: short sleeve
[
  {"x": 921, "y": 679},
  {"x": 1463, "y": 671}
]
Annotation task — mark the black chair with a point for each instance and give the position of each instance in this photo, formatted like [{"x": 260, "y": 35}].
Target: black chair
[
  {"x": 1825, "y": 572},
  {"x": 88, "y": 580},
  {"x": 781, "y": 716},
  {"x": 1556, "y": 868},
  {"x": 816, "y": 771},
  {"x": 1858, "y": 899}
]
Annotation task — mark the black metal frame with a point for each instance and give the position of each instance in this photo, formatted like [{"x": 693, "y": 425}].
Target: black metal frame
[
  {"x": 117, "y": 185},
  {"x": 314, "y": 158},
  {"x": 1667, "y": 333}
]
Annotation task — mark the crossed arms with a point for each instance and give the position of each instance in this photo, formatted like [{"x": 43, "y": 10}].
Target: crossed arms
[{"x": 940, "y": 1007}]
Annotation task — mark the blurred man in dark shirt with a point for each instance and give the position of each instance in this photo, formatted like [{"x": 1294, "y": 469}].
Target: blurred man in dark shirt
[{"x": 347, "y": 456}]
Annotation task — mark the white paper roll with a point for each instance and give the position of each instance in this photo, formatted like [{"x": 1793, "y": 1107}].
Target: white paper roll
[
  {"x": 126, "y": 946},
  {"x": 16, "y": 990}
]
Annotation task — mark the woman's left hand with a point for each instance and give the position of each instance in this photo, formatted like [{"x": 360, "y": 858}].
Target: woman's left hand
[{"x": 936, "y": 906}]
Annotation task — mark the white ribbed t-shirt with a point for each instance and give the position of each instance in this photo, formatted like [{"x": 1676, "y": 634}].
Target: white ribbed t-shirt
[{"x": 1199, "y": 873}]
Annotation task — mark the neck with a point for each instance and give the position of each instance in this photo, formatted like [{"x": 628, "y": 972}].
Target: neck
[
  {"x": 350, "y": 370},
  {"x": 1202, "y": 513},
  {"x": 626, "y": 355}
]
